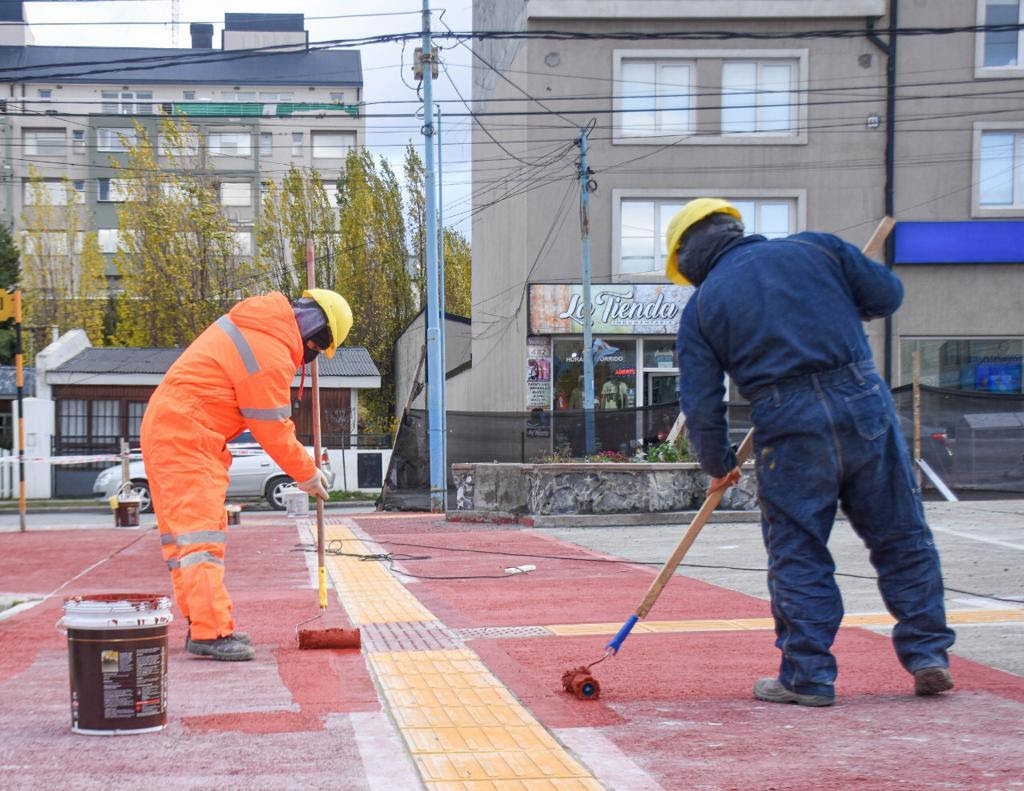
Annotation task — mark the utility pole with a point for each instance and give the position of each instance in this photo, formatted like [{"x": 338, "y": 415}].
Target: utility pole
[
  {"x": 19, "y": 360},
  {"x": 588, "y": 317},
  {"x": 440, "y": 288},
  {"x": 435, "y": 330}
]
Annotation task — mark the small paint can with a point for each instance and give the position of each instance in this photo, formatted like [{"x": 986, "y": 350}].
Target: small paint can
[
  {"x": 234, "y": 514},
  {"x": 296, "y": 501},
  {"x": 127, "y": 513},
  {"x": 117, "y": 659}
]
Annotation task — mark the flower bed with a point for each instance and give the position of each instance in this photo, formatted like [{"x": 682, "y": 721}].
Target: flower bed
[{"x": 511, "y": 491}]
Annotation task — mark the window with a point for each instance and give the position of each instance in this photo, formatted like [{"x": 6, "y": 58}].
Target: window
[
  {"x": 270, "y": 96},
  {"x": 45, "y": 94},
  {"x": 266, "y": 144},
  {"x": 243, "y": 242},
  {"x": 78, "y": 139},
  {"x": 46, "y": 243},
  {"x": 238, "y": 96},
  {"x": 338, "y": 98},
  {"x": 188, "y": 96},
  {"x": 127, "y": 102},
  {"x": 656, "y": 97},
  {"x": 44, "y": 142},
  {"x": 184, "y": 145},
  {"x": 296, "y": 144},
  {"x": 112, "y": 190},
  {"x": 136, "y": 411},
  {"x": 107, "y": 239},
  {"x": 114, "y": 140},
  {"x": 642, "y": 225},
  {"x": 106, "y": 420},
  {"x": 236, "y": 193},
  {"x": 757, "y": 97},
  {"x": 48, "y": 192},
  {"x": 988, "y": 365},
  {"x": 230, "y": 144},
  {"x": 73, "y": 416},
  {"x": 332, "y": 145},
  {"x": 1002, "y": 47},
  {"x": 1001, "y": 169}
]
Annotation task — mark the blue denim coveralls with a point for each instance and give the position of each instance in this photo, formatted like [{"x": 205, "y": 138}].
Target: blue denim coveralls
[{"x": 783, "y": 319}]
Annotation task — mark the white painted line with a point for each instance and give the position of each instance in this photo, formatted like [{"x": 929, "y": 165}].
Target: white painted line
[
  {"x": 385, "y": 760},
  {"x": 982, "y": 539},
  {"x": 606, "y": 762},
  {"x": 28, "y": 604}
]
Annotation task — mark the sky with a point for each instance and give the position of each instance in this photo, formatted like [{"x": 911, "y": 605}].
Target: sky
[{"x": 387, "y": 71}]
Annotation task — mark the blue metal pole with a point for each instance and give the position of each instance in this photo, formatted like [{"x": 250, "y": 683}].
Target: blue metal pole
[
  {"x": 435, "y": 372},
  {"x": 588, "y": 318},
  {"x": 441, "y": 291}
]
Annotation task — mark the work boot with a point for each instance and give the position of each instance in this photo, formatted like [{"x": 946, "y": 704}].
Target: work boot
[
  {"x": 932, "y": 680},
  {"x": 242, "y": 637},
  {"x": 224, "y": 649},
  {"x": 771, "y": 690}
]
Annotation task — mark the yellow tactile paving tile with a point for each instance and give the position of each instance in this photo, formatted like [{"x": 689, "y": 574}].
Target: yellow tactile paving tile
[
  {"x": 573, "y": 629},
  {"x": 984, "y": 616},
  {"x": 464, "y": 728},
  {"x": 370, "y": 592}
]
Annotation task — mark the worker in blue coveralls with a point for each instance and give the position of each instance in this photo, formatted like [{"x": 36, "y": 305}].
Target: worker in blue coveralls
[{"x": 782, "y": 317}]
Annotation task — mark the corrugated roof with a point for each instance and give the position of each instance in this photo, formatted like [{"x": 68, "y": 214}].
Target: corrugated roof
[
  {"x": 349, "y": 361},
  {"x": 9, "y": 382},
  {"x": 180, "y": 66}
]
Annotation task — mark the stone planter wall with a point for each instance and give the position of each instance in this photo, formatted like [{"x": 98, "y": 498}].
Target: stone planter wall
[{"x": 513, "y": 490}]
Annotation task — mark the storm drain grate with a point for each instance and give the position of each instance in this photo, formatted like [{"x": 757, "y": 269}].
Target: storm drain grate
[
  {"x": 498, "y": 632},
  {"x": 408, "y": 636}
]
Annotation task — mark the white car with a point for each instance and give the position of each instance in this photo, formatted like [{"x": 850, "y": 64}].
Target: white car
[{"x": 253, "y": 474}]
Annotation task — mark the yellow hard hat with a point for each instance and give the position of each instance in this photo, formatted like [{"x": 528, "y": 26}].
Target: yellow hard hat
[
  {"x": 688, "y": 216},
  {"x": 339, "y": 315}
]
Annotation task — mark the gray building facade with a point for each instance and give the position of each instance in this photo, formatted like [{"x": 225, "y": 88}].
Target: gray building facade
[
  {"x": 261, "y": 103},
  {"x": 783, "y": 107}
]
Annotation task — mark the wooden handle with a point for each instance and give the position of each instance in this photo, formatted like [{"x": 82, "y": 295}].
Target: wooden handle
[{"x": 873, "y": 249}]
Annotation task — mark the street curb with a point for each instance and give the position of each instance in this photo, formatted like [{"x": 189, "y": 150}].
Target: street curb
[{"x": 601, "y": 520}]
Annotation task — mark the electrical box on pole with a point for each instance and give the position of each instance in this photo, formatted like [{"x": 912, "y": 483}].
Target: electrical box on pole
[{"x": 418, "y": 60}]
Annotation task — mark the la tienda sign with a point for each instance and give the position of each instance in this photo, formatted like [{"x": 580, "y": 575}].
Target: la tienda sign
[{"x": 628, "y": 309}]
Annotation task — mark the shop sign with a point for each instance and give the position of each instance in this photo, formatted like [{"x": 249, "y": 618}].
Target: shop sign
[{"x": 628, "y": 309}]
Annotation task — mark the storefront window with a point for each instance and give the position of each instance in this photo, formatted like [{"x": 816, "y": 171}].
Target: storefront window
[
  {"x": 660, "y": 354},
  {"x": 614, "y": 373},
  {"x": 989, "y": 365}
]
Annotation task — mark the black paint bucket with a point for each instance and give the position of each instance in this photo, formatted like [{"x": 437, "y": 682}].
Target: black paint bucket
[{"x": 117, "y": 659}]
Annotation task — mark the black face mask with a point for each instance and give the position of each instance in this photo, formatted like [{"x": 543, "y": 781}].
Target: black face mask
[{"x": 308, "y": 355}]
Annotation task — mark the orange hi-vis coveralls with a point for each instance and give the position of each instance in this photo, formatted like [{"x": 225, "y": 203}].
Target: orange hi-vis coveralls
[{"x": 237, "y": 374}]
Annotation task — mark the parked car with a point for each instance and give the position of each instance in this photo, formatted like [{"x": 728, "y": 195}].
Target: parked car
[{"x": 253, "y": 474}]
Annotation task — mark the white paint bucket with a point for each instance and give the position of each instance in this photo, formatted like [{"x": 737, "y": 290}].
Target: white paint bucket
[
  {"x": 296, "y": 501},
  {"x": 117, "y": 658}
]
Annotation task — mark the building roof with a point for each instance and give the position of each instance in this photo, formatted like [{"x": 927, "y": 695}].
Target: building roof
[
  {"x": 180, "y": 66},
  {"x": 9, "y": 382},
  {"x": 348, "y": 361}
]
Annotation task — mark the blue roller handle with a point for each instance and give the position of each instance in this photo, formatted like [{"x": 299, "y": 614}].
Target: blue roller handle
[{"x": 616, "y": 642}]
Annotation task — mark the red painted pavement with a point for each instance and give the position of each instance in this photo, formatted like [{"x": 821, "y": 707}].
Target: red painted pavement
[
  {"x": 279, "y": 721},
  {"x": 680, "y": 707}
]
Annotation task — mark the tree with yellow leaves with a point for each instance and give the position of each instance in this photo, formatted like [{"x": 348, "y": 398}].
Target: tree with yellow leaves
[{"x": 63, "y": 278}]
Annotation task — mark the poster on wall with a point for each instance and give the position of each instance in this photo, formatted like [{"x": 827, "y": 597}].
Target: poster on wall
[
  {"x": 538, "y": 386},
  {"x": 629, "y": 309}
]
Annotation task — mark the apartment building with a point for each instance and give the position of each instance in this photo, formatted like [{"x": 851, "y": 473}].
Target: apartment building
[
  {"x": 262, "y": 101},
  {"x": 775, "y": 105}
]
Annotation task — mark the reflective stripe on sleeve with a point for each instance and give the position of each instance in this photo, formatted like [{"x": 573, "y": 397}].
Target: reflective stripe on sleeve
[
  {"x": 202, "y": 537},
  {"x": 173, "y": 564},
  {"x": 241, "y": 344},
  {"x": 165, "y": 539},
  {"x": 274, "y": 413},
  {"x": 200, "y": 557}
]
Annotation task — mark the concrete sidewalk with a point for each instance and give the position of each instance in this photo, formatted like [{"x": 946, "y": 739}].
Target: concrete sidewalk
[{"x": 458, "y": 683}]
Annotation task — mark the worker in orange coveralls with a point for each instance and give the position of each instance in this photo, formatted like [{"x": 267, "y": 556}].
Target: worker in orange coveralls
[{"x": 236, "y": 375}]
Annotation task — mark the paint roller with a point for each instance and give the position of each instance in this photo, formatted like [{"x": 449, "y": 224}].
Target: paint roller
[{"x": 321, "y": 638}]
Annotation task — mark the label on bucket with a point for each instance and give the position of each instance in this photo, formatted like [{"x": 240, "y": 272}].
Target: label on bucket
[{"x": 132, "y": 682}]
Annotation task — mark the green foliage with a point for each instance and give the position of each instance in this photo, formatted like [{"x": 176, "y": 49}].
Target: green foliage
[
  {"x": 10, "y": 274},
  {"x": 668, "y": 452},
  {"x": 177, "y": 254}
]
